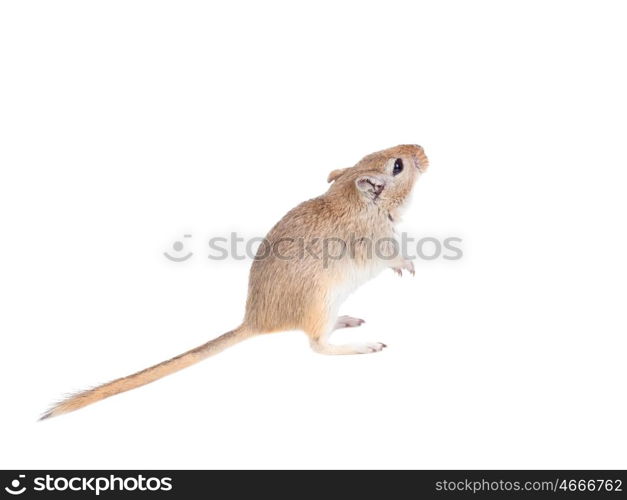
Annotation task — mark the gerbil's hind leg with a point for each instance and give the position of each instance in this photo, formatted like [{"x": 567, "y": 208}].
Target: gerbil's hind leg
[
  {"x": 348, "y": 322},
  {"x": 324, "y": 347},
  {"x": 319, "y": 341},
  {"x": 322, "y": 320}
]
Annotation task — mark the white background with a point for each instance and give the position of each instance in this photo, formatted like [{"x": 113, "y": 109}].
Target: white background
[{"x": 126, "y": 124}]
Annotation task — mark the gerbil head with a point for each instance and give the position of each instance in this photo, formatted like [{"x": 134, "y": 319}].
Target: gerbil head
[{"x": 384, "y": 178}]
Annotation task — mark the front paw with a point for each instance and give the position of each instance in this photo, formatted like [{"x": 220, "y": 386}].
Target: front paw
[
  {"x": 408, "y": 265},
  {"x": 348, "y": 322}
]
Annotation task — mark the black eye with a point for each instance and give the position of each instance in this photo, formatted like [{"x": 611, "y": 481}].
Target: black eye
[{"x": 398, "y": 167}]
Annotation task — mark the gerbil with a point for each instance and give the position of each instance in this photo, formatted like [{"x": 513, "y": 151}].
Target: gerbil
[{"x": 310, "y": 261}]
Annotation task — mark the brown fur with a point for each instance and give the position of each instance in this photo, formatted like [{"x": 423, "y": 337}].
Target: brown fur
[{"x": 295, "y": 290}]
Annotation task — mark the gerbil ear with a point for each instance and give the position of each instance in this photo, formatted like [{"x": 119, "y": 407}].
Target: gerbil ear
[
  {"x": 370, "y": 184},
  {"x": 336, "y": 174}
]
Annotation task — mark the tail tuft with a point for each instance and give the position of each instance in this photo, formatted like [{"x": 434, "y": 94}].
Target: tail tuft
[
  {"x": 73, "y": 402},
  {"x": 84, "y": 398}
]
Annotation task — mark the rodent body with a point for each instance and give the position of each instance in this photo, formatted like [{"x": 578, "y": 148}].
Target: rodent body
[
  {"x": 309, "y": 262},
  {"x": 307, "y": 296}
]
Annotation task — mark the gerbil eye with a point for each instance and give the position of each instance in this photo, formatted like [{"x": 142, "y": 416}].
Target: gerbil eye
[{"x": 398, "y": 167}]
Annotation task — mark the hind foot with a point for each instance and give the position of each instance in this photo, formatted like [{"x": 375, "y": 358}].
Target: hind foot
[{"x": 360, "y": 348}]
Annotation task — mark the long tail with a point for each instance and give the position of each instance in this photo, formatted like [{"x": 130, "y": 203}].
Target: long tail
[{"x": 148, "y": 375}]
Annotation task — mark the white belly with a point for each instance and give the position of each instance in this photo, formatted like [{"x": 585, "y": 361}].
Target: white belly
[{"x": 354, "y": 277}]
